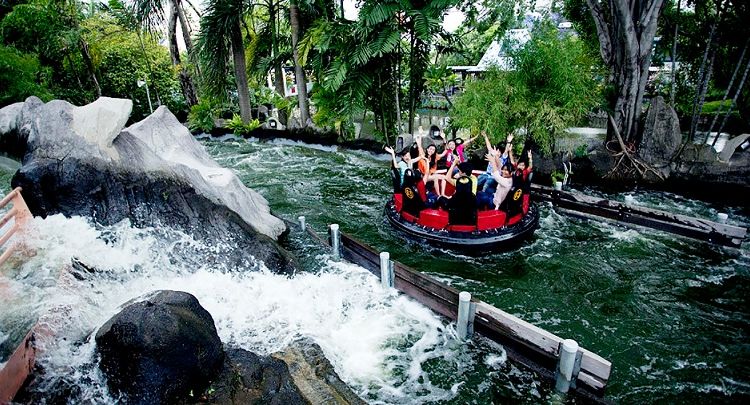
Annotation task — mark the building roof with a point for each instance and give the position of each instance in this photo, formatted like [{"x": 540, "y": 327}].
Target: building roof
[{"x": 498, "y": 52}]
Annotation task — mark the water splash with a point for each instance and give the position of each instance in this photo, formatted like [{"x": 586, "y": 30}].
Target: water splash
[{"x": 378, "y": 341}]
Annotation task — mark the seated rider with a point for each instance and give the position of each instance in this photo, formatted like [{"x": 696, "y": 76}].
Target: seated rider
[
  {"x": 402, "y": 165},
  {"x": 428, "y": 166},
  {"x": 454, "y": 149},
  {"x": 462, "y": 206},
  {"x": 504, "y": 181},
  {"x": 462, "y": 169},
  {"x": 519, "y": 177},
  {"x": 485, "y": 182}
]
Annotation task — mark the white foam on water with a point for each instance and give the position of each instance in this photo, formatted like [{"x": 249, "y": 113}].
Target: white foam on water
[{"x": 377, "y": 340}]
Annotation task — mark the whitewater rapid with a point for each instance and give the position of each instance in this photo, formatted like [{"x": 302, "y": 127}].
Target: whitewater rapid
[{"x": 377, "y": 340}]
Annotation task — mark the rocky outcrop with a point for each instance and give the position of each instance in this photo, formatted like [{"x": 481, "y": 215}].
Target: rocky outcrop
[
  {"x": 315, "y": 376},
  {"x": 165, "y": 349},
  {"x": 160, "y": 349},
  {"x": 662, "y": 136},
  {"x": 247, "y": 378},
  {"x": 80, "y": 161},
  {"x": 298, "y": 375}
]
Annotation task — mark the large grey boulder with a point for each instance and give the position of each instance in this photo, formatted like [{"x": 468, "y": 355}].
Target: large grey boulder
[
  {"x": 661, "y": 133},
  {"x": 164, "y": 135},
  {"x": 80, "y": 161},
  {"x": 158, "y": 350}
]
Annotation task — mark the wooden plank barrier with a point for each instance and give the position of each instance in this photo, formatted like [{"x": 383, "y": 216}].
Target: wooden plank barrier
[
  {"x": 588, "y": 207},
  {"x": 19, "y": 214},
  {"x": 524, "y": 342},
  {"x": 21, "y": 362}
]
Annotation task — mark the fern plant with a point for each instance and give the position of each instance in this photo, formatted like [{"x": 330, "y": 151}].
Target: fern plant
[
  {"x": 201, "y": 116},
  {"x": 240, "y": 128}
]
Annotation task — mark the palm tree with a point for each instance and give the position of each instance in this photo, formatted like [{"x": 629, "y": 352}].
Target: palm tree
[
  {"x": 299, "y": 73},
  {"x": 151, "y": 15},
  {"x": 221, "y": 34}
]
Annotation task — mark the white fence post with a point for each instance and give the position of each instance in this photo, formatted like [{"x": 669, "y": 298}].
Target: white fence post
[
  {"x": 302, "y": 224},
  {"x": 386, "y": 270},
  {"x": 335, "y": 241},
  {"x": 464, "y": 326},
  {"x": 568, "y": 355}
]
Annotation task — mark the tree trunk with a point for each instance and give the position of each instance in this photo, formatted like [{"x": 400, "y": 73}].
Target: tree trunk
[
  {"x": 90, "y": 65},
  {"x": 278, "y": 73},
  {"x": 703, "y": 79},
  {"x": 186, "y": 82},
  {"x": 299, "y": 73},
  {"x": 726, "y": 93},
  {"x": 399, "y": 126},
  {"x": 626, "y": 35},
  {"x": 734, "y": 100},
  {"x": 674, "y": 55},
  {"x": 185, "y": 28},
  {"x": 240, "y": 72}
]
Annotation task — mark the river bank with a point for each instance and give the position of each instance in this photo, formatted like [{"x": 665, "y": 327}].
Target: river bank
[{"x": 706, "y": 179}]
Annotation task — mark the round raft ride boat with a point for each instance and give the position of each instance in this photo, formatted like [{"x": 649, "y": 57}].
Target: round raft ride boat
[{"x": 485, "y": 230}]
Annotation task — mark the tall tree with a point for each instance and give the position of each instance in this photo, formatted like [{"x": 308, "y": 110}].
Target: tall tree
[
  {"x": 221, "y": 35},
  {"x": 299, "y": 73},
  {"x": 151, "y": 15},
  {"x": 626, "y": 30}
]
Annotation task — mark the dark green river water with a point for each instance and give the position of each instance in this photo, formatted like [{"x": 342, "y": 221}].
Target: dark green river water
[{"x": 671, "y": 314}]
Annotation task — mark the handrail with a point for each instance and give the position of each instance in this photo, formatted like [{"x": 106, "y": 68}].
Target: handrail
[{"x": 20, "y": 215}]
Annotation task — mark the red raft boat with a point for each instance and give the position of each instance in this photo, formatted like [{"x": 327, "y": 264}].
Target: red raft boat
[{"x": 492, "y": 230}]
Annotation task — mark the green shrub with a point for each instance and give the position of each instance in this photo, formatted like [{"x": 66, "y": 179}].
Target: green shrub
[
  {"x": 581, "y": 151},
  {"x": 239, "y": 127},
  {"x": 201, "y": 116},
  {"x": 557, "y": 175}
]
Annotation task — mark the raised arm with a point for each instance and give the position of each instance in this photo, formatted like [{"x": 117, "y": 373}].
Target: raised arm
[
  {"x": 393, "y": 156},
  {"x": 487, "y": 142},
  {"x": 469, "y": 141},
  {"x": 531, "y": 163},
  {"x": 418, "y": 138}
]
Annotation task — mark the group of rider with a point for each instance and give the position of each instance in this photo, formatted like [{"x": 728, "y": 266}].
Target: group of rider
[{"x": 504, "y": 176}]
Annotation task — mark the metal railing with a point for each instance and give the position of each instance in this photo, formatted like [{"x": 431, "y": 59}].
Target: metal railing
[{"x": 19, "y": 214}]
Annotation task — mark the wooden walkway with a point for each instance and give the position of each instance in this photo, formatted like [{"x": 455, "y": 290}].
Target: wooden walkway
[
  {"x": 584, "y": 206},
  {"x": 524, "y": 343}
]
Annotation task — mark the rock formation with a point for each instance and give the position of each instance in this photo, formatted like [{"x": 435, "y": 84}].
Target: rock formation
[
  {"x": 80, "y": 161},
  {"x": 160, "y": 349},
  {"x": 165, "y": 349},
  {"x": 662, "y": 137}
]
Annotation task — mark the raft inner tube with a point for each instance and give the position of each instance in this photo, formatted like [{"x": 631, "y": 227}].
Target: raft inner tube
[{"x": 493, "y": 230}]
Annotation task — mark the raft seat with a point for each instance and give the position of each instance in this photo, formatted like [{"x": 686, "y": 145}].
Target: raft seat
[
  {"x": 437, "y": 219},
  {"x": 408, "y": 217},
  {"x": 490, "y": 219},
  {"x": 525, "y": 203},
  {"x": 514, "y": 220},
  {"x": 398, "y": 199},
  {"x": 422, "y": 190}
]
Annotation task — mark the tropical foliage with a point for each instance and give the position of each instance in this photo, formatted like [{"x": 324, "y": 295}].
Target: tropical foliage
[{"x": 550, "y": 89}]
